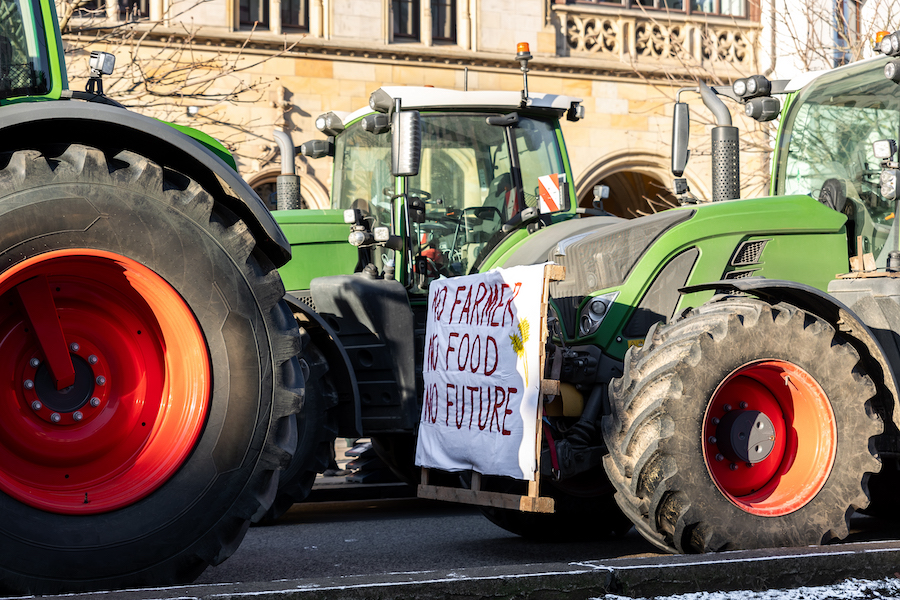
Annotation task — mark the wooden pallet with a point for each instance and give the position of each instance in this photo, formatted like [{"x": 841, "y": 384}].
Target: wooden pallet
[{"x": 532, "y": 501}]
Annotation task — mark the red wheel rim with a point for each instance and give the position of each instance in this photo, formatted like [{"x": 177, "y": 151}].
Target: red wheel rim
[
  {"x": 804, "y": 444},
  {"x": 122, "y": 323}
]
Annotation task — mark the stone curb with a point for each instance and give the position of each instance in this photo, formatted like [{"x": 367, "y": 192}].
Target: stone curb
[{"x": 633, "y": 577}]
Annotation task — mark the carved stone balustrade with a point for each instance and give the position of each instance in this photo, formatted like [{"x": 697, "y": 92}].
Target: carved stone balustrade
[{"x": 659, "y": 41}]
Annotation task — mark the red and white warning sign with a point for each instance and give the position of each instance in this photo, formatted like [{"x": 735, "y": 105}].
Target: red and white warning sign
[{"x": 548, "y": 192}]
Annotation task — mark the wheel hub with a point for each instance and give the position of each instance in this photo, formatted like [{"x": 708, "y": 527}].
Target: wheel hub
[
  {"x": 66, "y": 400},
  {"x": 140, "y": 386},
  {"x": 78, "y": 403},
  {"x": 769, "y": 437},
  {"x": 746, "y": 436}
]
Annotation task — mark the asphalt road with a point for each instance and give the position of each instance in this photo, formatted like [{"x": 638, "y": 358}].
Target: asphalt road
[{"x": 387, "y": 536}]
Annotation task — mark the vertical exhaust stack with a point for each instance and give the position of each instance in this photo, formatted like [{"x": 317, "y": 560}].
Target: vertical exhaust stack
[
  {"x": 726, "y": 164},
  {"x": 287, "y": 185}
]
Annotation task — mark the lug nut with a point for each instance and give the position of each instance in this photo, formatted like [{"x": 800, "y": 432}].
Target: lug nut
[
  {"x": 733, "y": 467},
  {"x": 55, "y": 417},
  {"x": 74, "y": 347},
  {"x": 712, "y": 439},
  {"x": 77, "y": 415},
  {"x": 95, "y": 401},
  {"x": 719, "y": 457},
  {"x": 29, "y": 384},
  {"x": 715, "y": 420},
  {"x": 101, "y": 380},
  {"x": 36, "y": 405},
  {"x": 93, "y": 359},
  {"x": 35, "y": 363},
  {"x": 743, "y": 405},
  {"x": 726, "y": 408}
]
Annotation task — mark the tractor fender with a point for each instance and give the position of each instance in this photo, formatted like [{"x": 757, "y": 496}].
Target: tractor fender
[
  {"x": 875, "y": 354},
  {"x": 33, "y": 124},
  {"x": 327, "y": 340}
]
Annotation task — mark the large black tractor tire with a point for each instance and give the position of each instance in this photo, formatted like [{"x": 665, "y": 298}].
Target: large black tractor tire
[
  {"x": 316, "y": 430},
  {"x": 728, "y": 368},
  {"x": 152, "y": 465},
  {"x": 589, "y": 513}
]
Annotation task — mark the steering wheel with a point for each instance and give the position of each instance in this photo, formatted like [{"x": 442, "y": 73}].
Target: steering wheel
[{"x": 417, "y": 193}]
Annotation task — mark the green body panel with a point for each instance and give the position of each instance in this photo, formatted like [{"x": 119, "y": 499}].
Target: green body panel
[
  {"x": 806, "y": 243},
  {"x": 208, "y": 141},
  {"x": 318, "y": 246}
]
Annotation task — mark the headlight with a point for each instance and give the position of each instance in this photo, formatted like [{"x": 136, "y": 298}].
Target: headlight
[
  {"x": 884, "y": 149},
  {"x": 593, "y": 312},
  {"x": 892, "y": 71},
  {"x": 358, "y": 237},
  {"x": 889, "y": 183},
  {"x": 382, "y": 234},
  {"x": 739, "y": 87}
]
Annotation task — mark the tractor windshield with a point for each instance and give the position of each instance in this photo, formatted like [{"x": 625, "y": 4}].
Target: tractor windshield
[
  {"x": 467, "y": 181},
  {"x": 24, "y": 67},
  {"x": 828, "y": 134}
]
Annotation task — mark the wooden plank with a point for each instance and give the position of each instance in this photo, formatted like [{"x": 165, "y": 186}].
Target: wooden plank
[
  {"x": 550, "y": 387},
  {"x": 481, "y": 498},
  {"x": 555, "y": 272}
]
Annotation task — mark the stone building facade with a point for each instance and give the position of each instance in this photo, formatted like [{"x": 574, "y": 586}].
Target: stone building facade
[{"x": 625, "y": 58}]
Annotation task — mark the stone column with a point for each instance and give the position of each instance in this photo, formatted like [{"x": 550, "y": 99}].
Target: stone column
[
  {"x": 425, "y": 22},
  {"x": 463, "y": 25},
  {"x": 156, "y": 10},
  {"x": 316, "y": 18},
  {"x": 275, "y": 16}
]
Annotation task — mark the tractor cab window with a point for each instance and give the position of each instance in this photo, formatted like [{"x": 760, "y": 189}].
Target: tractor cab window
[
  {"x": 468, "y": 184},
  {"x": 827, "y": 137},
  {"x": 539, "y": 154},
  {"x": 24, "y": 67},
  {"x": 362, "y": 174}
]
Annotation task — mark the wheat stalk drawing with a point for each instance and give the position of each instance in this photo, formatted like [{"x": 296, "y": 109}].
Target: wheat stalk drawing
[{"x": 518, "y": 343}]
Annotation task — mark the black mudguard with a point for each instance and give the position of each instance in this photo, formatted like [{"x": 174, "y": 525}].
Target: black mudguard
[
  {"x": 342, "y": 374},
  {"x": 374, "y": 324},
  {"x": 38, "y": 124}
]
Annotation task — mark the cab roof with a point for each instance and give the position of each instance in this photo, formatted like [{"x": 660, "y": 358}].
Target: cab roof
[{"x": 432, "y": 98}]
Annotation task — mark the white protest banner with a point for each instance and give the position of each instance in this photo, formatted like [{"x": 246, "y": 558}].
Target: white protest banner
[{"x": 482, "y": 373}]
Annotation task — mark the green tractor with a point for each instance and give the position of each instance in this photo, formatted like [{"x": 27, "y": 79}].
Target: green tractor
[
  {"x": 442, "y": 183},
  {"x": 154, "y": 375},
  {"x": 765, "y": 413}
]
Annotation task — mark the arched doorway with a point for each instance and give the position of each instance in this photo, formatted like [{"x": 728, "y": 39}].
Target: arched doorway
[
  {"x": 639, "y": 183},
  {"x": 632, "y": 194}
]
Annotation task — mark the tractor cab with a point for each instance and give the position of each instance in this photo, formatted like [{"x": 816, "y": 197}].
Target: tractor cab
[
  {"x": 25, "y": 63},
  {"x": 826, "y": 150},
  {"x": 482, "y": 162}
]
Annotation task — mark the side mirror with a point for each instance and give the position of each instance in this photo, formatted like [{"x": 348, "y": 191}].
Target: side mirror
[
  {"x": 406, "y": 143},
  {"x": 681, "y": 132}
]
